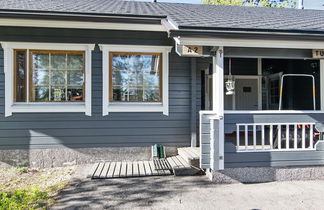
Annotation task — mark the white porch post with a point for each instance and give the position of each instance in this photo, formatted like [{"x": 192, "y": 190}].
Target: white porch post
[{"x": 217, "y": 140}]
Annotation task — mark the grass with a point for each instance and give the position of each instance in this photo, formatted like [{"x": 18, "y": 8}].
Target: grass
[
  {"x": 25, "y": 188},
  {"x": 23, "y": 199}
]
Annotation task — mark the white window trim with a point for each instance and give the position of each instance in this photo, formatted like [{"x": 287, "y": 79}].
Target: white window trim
[
  {"x": 130, "y": 106},
  {"x": 12, "y": 107}
]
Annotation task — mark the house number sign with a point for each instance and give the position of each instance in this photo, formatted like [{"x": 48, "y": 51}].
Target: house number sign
[
  {"x": 192, "y": 50},
  {"x": 318, "y": 54}
]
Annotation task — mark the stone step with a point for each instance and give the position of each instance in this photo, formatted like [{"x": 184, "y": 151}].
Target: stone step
[
  {"x": 181, "y": 167},
  {"x": 191, "y": 155}
]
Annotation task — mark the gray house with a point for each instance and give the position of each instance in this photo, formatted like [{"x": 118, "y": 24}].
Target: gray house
[{"x": 82, "y": 81}]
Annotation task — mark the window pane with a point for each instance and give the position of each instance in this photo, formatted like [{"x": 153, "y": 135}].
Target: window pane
[
  {"x": 20, "y": 76},
  {"x": 75, "y": 94},
  {"x": 40, "y": 77},
  {"x": 75, "y": 61},
  {"x": 132, "y": 94},
  {"x": 136, "y": 78},
  {"x": 58, "y": 77},
  {"x": 75, "y": 77},
  {"x": 40, "y": 61},
  {"x": 58, "y": 93},
  {"x": 151, "y": 94},
  {"x": 41, "y": 93},
  {"x": 58, "y": 61}
]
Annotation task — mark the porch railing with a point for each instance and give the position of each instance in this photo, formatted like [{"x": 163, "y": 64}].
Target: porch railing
[{"x": 253, "y": 137}]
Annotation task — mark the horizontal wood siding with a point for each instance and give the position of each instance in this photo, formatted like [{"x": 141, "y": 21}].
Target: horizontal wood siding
[{"x": 75, "y": 130}]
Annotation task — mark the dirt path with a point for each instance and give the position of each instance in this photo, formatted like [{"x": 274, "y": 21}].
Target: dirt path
[{"x": 189, "y": 193}]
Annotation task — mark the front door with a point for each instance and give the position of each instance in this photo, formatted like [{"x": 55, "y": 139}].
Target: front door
[{"x": 246, "y": 94}]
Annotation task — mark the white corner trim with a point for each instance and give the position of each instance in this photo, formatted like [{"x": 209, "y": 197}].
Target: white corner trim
[
  {"x": 11, "y": 107},
  {"x": 135, "y": 107},
  {"x": 80, "y": 24},
  {"x": 229, "y": 42}
]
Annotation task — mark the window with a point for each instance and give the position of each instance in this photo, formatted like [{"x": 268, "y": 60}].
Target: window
[
  {"x": 54, "y": 76},
  {"x": 46, "y": 77},
  {"x": 136, "y": 78}
]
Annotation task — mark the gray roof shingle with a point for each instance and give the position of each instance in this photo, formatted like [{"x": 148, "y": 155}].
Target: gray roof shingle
[{"x": 185, "y": 15}]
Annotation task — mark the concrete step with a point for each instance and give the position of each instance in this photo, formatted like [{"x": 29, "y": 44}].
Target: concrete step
[
  {"x": 191, "y": 155},
  {"x": 181, "y": 167}
]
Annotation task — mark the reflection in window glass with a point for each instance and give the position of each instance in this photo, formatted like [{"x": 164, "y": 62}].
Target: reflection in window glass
[
  {"x": 57, "y": 76},
  {"x": 20, "y": 70},
  {"x": 136, "y": 77}
]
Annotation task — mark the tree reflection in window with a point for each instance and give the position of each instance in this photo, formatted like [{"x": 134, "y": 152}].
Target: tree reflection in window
[{"x": 136, "y": 77}]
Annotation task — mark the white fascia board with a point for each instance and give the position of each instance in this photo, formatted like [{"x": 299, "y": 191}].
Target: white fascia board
[
  {"x": 80, "y": 24},
  {"x": 227, "y": 42},
  {"x": 134, "y": 48}
]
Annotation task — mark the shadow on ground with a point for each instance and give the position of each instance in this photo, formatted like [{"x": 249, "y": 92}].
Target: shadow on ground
[{"x": 126, "y": 192}]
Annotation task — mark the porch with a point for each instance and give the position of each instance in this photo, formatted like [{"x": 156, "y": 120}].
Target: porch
[{"x": 271, "y": 115}]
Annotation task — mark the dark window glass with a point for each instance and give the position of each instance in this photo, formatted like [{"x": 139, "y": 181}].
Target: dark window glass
[{"x": 20, "y": 77}]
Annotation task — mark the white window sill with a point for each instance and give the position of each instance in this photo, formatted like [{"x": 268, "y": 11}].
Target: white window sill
[
  {"x": 48, "y": 107},
  {"x": 136, "y": 107}
]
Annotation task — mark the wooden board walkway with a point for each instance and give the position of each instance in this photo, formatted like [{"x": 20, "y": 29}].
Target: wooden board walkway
[{"x": 109, "y": 170}]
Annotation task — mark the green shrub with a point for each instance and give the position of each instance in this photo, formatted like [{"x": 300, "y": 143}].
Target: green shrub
[{"x": 23, "y": 199}]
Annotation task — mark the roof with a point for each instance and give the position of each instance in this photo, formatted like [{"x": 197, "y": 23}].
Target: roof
[{"x": 183, "y": 16}]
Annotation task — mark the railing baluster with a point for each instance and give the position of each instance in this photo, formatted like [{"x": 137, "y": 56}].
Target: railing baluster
[
  {"x": 271, "y": 137},
  {"x": 238, "y": 137},
  {"x": 254, "y": 137},
  {"x": 262, "y": 136},
  {"x": 279, "y": 136},
  {"x": 311, "y": 134},
  {"x": 246, "y": 137},
  {"x": 287, "y": 136},
  {"x": 295, "y": 136},
  {"x": 303, "y": 136}
]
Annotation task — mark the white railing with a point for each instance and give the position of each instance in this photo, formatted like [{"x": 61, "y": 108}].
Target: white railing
[{"x": 254, "y": 137}]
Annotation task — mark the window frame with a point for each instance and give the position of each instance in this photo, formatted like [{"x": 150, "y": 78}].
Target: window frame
[
  {"x": 111, "y": 106},
  {"x": 11, "y": 106}
]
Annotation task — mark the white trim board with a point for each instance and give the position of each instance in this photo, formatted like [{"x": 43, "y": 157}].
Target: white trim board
[
  {"x": 11, "y": 107},
  {"x": 80, "y": 24},
  {"x": 227, "y": 42},
  {"x": 135, "y": 107}
]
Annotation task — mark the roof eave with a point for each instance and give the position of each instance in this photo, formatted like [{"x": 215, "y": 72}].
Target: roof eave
[
  {"x": 90, "y": 17},
  {"x": 255, "y": 34}
]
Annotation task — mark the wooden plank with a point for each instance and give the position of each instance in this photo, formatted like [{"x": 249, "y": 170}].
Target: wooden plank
[
  {"x": 111, "y": 170},
  {"x": 183, "y": 162},
  {"x": 117, "y": 169},
  {"x": 135, "y": 169},
  {"x": 154, "y": 171},
  {"x": 129, "y": 169},
  {"x": 148, "y": 170},
  {"x": 93, "y": 170},
  {"x": 141, "y": 168},
  {"x": 123, "y": 169},
  {"x": 104, "y": 172},
  {"x": 172, "y": 163},
  {"x": 99, "y": 170}
]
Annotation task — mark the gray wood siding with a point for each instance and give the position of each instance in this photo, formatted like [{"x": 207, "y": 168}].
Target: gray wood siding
[{"x": 75, "y": 130}]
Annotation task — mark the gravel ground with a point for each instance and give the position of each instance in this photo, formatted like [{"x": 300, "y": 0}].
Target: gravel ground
[
  {"x": 187, "y": 193},
  {"x": 42, "y": 179}
]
